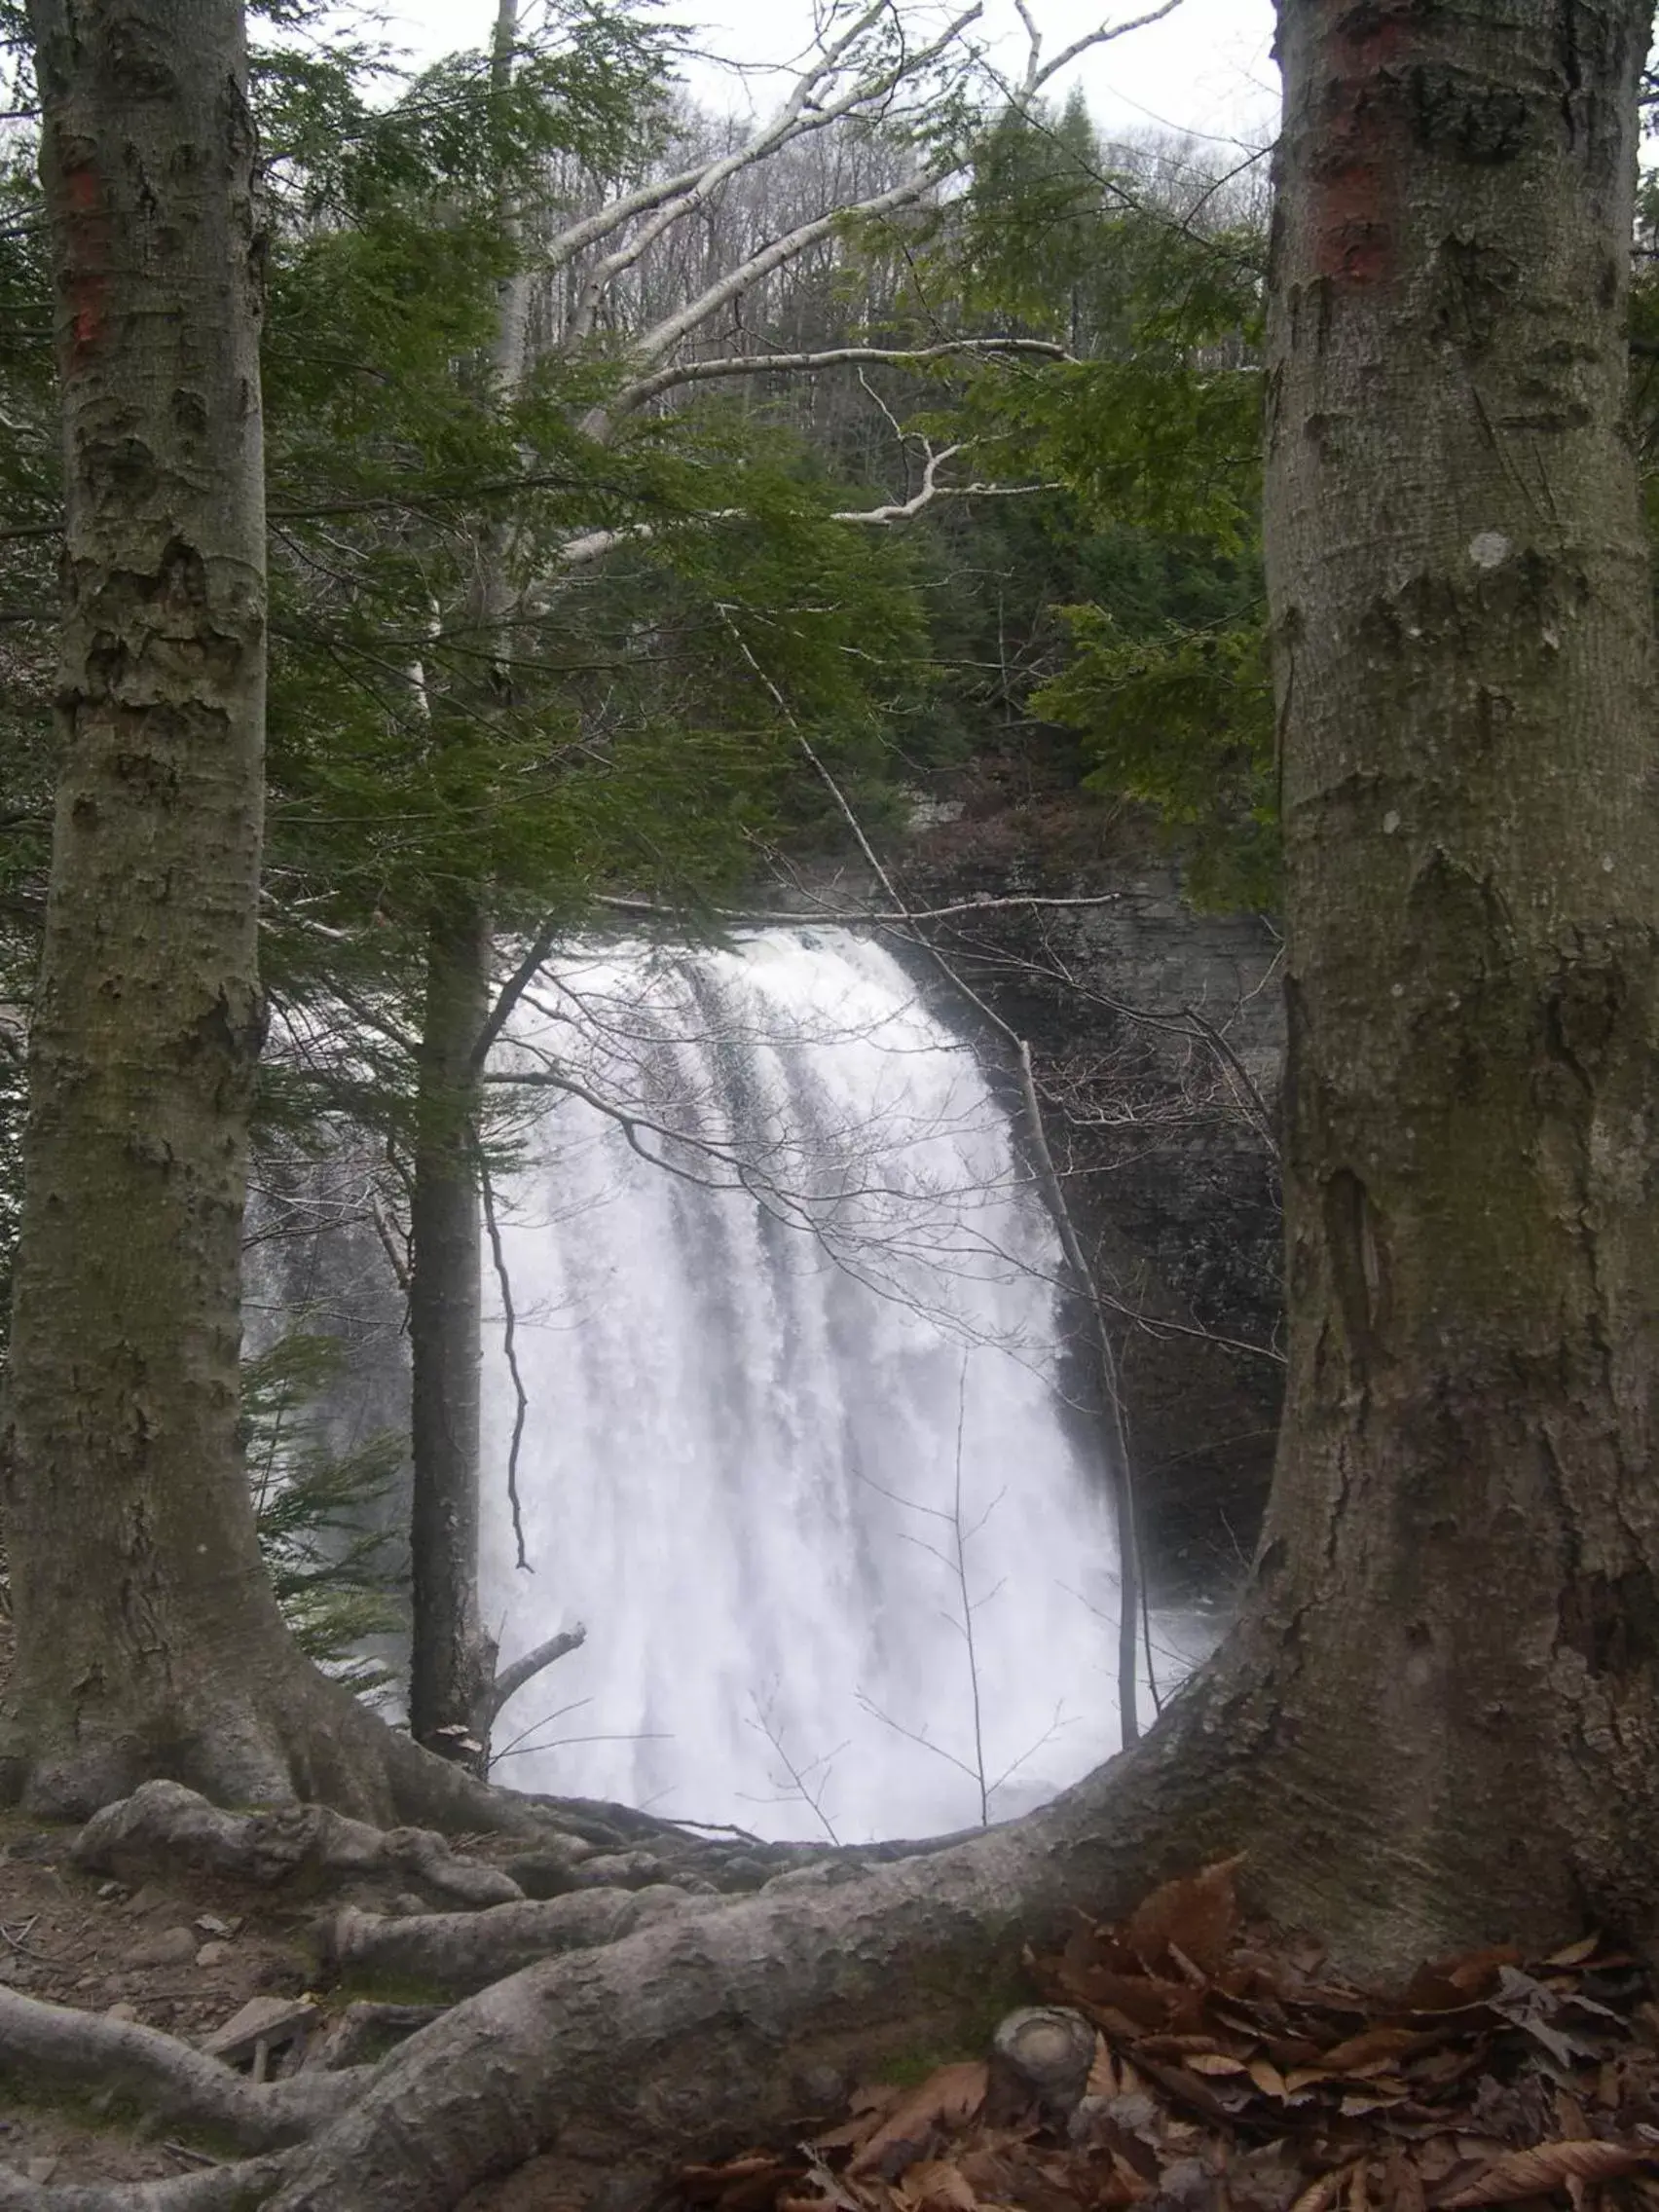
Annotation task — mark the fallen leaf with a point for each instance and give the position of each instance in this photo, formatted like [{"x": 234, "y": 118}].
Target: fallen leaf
[
  {"x": 1269, "y": 2080},
  {"x": 1368, "y": 2048},
  {"x": 948, "y": 2099},
  {"x": 1198, "y": 1912},
  {"x": 1574, "y": 1954},
  {"x": 1214, "y": 2062},
  {"x": 1103, "y": 2077},
  {"x": 937, "y": 2186},
  {"x": 1320, "y": 2194},
  {"x": 1551, "y": 2166}
]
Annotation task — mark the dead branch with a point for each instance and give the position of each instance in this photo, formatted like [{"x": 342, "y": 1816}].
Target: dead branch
[
  {"x": 647, "y": 388},
  {"x": 509, "y": 1347},
  {"x": 511, "y": 1679},
  {"x": 1118, "y": 1472}
]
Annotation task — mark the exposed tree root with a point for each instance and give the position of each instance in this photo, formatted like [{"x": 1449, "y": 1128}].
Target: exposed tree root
[
  {"x": 364, "y": 2031},
  {"x": 221, "y": 2189},
  {"x": 737, "y": 2020},
  {"x": 175, "y": 2084},
  {"x": 464, "y": 1951},
  {"x": 163, "y": 1825}
]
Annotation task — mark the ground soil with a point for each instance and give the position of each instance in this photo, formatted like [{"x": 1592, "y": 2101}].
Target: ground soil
[{"x": 183, "y": 1956}]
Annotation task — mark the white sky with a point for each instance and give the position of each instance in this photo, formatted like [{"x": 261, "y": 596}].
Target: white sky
[{"x": 1204, "y": 69}]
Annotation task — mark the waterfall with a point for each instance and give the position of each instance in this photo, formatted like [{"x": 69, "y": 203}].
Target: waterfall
[{"x": 784, "y": 1318}]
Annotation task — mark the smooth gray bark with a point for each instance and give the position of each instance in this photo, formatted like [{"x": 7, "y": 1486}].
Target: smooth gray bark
[
  {"x": 148, "y": 1642},
  {"x": 452, "y": 1663},
  {"x": 146, "y": 1632},
  {"x": 1455, "y": 1628}
]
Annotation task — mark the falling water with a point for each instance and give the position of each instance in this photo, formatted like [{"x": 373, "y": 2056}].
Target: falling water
[{"x": 785, "y": 1325}]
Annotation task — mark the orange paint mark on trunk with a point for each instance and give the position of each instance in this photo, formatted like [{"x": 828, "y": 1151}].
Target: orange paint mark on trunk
[
  {"x": 88, "y": 273},
  {"x": 1354, "y": 173}
]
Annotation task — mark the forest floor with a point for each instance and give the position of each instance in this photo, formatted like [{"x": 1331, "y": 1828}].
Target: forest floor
[{"x": 1212, "y": 2066}]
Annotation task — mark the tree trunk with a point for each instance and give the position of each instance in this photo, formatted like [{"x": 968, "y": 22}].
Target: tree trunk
[
  {"x": 452, "y": 1666},
  {"x": 145, "y": 1625},
  {"x": 1455, "y": 1627},
  {"x": 148, "y": 1642},
  {"x": 452, "y": 1662}
]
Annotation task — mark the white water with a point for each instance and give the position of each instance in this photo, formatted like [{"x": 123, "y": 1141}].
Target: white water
[{"x": 741, "y": 1459}]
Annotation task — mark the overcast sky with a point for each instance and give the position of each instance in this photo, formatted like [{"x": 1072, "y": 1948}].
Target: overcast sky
[{"x": 1205, "y": 68}]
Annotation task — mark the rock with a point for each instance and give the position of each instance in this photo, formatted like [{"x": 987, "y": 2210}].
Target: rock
[
  {"x": 167, "y": 1947},
  {"x": 120, "y": 2011},
  {"x": 273, "y": 2021},
  {"x": 150, "y": 1899},
  {"x": 212, "y": 1954},
  {"x": 108, "y": 1891},
  {"x": 210, "y": 1923},
  {"x": 39, "y": 2169},
  {"x": 39, "y": 1849}
]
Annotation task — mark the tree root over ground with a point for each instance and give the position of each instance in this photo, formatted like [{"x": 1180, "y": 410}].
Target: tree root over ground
[
  {"x": 1181, "y": 2058},
  {"x": 710, "y": 2023},
  {"x": 222, "y": 2189},
  {"x": 55, "y": 2047}
]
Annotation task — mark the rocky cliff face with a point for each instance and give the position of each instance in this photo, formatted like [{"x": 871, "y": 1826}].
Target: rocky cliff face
[{"x": 1158, "y": 1034}]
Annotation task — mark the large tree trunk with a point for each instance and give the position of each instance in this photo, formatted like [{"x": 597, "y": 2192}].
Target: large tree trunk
[
  {"x": 144, "y": 1620},
  {"x": 1455, "y": 1628},
  {"x": 452, "y": 1694},
  {"x": 148, "y": 1642}
]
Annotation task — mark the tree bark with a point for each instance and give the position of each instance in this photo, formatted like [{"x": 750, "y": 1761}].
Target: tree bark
[
  {"x": 147, "y": 1636},
  {"x": 452, "y": 1662},
  {"x": 1453, "y": 1632},
  {"x": 452, "y": 1702},
  {"x": 148, "y": 1642}
]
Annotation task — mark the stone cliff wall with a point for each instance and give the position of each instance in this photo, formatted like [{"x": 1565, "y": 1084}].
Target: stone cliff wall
[{"x": 1157, "y": 1035}]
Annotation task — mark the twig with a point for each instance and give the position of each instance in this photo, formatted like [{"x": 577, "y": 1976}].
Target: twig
[
  {"x": 968, "y": 1609},
  {"x": 803, "y": 1789},
  {"x": 509, "y": 1326}
]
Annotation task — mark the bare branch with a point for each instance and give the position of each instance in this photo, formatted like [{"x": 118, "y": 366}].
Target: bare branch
[
  {"x": 511, "y": 1679},
  {"x": 509, "y": 1349},
  {"x": 647, "y": 388},
  {"x": 665, "y": 334}
]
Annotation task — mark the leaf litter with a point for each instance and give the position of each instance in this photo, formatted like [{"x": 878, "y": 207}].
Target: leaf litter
[{"x": 1234, "y": 2072}]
